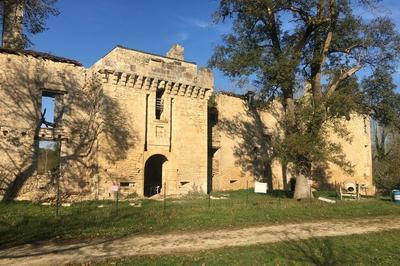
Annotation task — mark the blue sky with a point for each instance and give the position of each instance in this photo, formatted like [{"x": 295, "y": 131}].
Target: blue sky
[
  {"x": 87, "y": 29},
  {"x": 90, "y": 31}
]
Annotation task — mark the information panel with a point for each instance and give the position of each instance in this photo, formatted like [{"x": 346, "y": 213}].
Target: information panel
[{"x": 260, "y": 187}]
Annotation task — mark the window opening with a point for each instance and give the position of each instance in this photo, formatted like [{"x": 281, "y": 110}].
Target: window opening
[
  {"x": 52, "y": 109},
  {"x": 126, "y": 184},
  {"x": 159, "y": 103},
  {"x": 47, "y": 110},
  {"x": 146, "y": 122},
  {"x": 49, "y": 156}
]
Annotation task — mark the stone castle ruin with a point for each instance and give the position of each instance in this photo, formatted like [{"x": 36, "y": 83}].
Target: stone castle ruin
[
  {"x": 138, "y": 121},
  {"x": 142, "y": 122}
]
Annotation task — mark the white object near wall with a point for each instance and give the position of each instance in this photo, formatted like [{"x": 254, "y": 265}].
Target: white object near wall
[
  {"x": 260, "y": 187},
  {"x": 114, "y": 188}
]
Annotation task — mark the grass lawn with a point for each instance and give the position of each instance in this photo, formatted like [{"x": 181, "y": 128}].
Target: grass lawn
[
  {"x": 23, "y": 222},
  {"x": 368, "y": 249}
]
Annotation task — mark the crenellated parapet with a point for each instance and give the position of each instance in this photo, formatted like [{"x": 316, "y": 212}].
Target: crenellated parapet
[{"x": 141, "y": 82}]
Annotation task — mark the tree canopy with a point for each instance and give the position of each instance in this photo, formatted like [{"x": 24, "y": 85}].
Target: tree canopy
[{"x": 327, "y": 49}]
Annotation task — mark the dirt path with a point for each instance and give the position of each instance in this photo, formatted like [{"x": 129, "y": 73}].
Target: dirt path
[{"x": 53, "y": 254}]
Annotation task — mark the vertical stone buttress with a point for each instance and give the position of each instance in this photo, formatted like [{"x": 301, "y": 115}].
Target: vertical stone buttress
[{"x": 13, "y": 24}]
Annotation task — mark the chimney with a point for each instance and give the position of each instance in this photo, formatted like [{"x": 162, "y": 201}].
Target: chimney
[
  {"x": 176, "y": 52},
  {"x": 250, "y": 98},
  {"x": 13, "y": 25}
]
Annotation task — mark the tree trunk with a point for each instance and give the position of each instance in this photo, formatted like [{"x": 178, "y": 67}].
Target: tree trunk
[
  {"x": 303, "y": 189},
  {"x": 13, "y": 25}
]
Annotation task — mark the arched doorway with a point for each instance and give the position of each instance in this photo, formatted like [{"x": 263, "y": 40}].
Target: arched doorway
[{"x": 153, "y": 173}]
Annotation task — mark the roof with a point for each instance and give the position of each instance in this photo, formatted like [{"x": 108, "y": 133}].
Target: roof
[
  {"x": 231, "y": 94},
  {"x": 143, "y": 52},
  {"x": 42, "y": 55}
]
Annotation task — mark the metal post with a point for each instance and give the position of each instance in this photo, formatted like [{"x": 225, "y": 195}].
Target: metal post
[
  {"x": 58, "y": 194},
  {"x": 116, "y": 210},
  {"x": 209, "y": 200},
  {"x": 247, "y": 192},
  {"x": 358, "y": 191},
  {"x": 165, "y": 196},
  {"x": 45, "y": 163},
  {"x": 58, "y": 183}
]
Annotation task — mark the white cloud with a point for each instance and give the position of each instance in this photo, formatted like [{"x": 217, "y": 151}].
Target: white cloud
[
  {"x": 221, "y": 28},
  {"x": 182, "y": 36},
  {"x": 202, "y": 24}
]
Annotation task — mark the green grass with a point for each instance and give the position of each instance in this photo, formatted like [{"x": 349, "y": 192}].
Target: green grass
[
  {"x": 369, "y": 249},
  {"x": 23, "y": 222}
]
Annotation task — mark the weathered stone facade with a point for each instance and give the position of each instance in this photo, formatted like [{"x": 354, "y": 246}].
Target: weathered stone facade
[
  {"x": 133, "y": 119},
  {"x": 138, "y": 121},
  {"x": 165, "y": 102},
  {"x": 24, "y": 78},
  {"x": 237, "y": 149}
]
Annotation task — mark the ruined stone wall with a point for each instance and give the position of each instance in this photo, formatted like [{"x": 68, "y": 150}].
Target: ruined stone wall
[
  {"x": 132, "y": 108},
  {"x": 237, "y": 156},
  {"x": 23, "y": 79},
  {"x": 229, "y": 173},
  {"x": 131, "y": 80},
  {"x": 358, "y": 152},
  {"x": 110, "y": 125}
]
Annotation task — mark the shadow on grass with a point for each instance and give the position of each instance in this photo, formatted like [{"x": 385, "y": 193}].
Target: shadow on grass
[
  {"x": 280, "y": 194},
  {"x": 106, "y": 246},
  {"x": 39, "y": 223},
  {"x": 22, "y": 222},
  {"x": 312, "y": 251}
]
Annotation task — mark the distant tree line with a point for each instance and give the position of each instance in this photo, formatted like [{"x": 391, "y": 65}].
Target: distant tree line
[
  {"x": 386, "y": 159},
  {"x": 49, "y": 158}
]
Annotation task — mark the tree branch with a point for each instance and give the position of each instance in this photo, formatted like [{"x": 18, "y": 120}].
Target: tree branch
[
  {"x": 346, "y": 50},
  {"x": 273, "y": 29},
  {"x": 300, "y": 45},
  {"x": 335, "y": 83},
  {"x": 304, "y": 15}
]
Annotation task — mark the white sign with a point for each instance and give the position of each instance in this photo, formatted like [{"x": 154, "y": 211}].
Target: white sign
[
  {"x": 260, "y": 187},
  {"x": 114, "y": 188}
]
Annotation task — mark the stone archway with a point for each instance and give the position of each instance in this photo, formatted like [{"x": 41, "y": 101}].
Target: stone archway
[{"x": 153, "y": 175}]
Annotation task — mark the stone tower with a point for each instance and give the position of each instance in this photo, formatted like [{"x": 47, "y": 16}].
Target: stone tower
[
  {"x": 164, "y": 101},
  {"x": 13, "y": 25}
]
